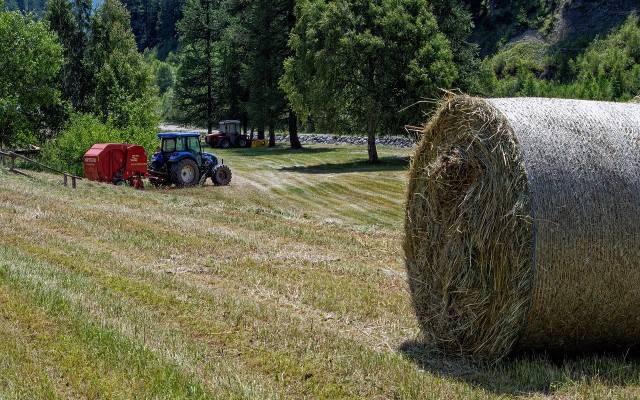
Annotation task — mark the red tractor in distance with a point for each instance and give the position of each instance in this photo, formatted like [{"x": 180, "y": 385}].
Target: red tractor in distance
[
  {"x": 228, "y": 135},
  {"x": 117, "y": 164}
]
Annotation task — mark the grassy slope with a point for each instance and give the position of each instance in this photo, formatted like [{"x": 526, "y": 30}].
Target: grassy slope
[{"x": 288, "y": 284}]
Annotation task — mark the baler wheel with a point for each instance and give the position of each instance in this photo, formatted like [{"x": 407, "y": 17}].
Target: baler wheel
[
  {"x": 222, "y": 175},
  {"x": 185, "y": 173}
]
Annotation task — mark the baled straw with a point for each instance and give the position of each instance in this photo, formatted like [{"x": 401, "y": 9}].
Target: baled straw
[{"x": 523, "y": 226}]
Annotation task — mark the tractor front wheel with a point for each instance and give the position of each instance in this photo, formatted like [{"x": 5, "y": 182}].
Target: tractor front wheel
[
  {"x": 221, "y": 175},
  {"x": 185, "y": 173}
]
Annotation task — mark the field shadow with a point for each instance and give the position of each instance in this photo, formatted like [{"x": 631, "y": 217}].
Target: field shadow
[
  {"x": 531, "y": 373},
  {"x": 278, "y": 151},
  {"x": 385, "y": 164}
]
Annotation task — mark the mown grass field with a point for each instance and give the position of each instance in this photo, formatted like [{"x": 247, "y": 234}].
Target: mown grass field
[{"x": 288, "y": 284}]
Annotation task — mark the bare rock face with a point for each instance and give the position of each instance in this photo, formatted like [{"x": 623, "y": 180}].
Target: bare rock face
[{"x": 582, "y": 20}]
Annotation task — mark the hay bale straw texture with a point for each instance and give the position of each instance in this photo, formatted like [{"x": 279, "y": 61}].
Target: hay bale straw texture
[{"x": 523, "y": 226}]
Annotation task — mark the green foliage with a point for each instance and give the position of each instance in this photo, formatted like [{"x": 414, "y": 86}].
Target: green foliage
[
  {"x": 154, "y": 24},
  {"x": 124, "y": 92},
  {"x": 105, "y": 77},
  {"x": 28, "y": 6},
  {"x": 164, "y": 73},
  {"x": 499, "y": 21},
  {"x": 361, "y": 64},
  {"x": 512, "y": 71},
  {"x": 164, "y": 77},
  {"x": 30, "y": 58},
  {"x": 268, "y": 23},
  {"x": 195, "y": 93},
  {"x": 83, "y": 131},
  {"x": 456, "y": 22},
  {"x": 69, "y": 22},
  {"x": 609, "y": 69}
]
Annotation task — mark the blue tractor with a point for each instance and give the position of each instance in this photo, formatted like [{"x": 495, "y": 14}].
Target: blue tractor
[{"x": 180, "y": 161}]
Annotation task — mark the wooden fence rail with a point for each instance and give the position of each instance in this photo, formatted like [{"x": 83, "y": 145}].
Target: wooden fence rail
[{"x": 12, "y": 156}]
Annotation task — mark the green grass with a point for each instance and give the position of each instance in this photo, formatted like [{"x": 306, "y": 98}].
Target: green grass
[{"x": 288, "y": 284}]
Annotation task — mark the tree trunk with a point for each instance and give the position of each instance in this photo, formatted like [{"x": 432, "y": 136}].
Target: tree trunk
[
  {"x": 371, "y": 139},
  {"x": 293, "y": 131},
  {"x": 261, "y": 133},
  {"x": 272, "y": 136}
]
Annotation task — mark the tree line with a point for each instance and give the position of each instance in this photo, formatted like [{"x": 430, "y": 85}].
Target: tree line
[
  {"x": 339, "y": 66},
  {"x": 343, "y": 66}
]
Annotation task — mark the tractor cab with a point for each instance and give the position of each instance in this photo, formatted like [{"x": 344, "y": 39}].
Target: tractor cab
[
  {"x": 181, "y": 161},
  {"x": 229, "y": 134},
  {"x": 230, "y": 127},
  {"x": 178, "y": 145}
]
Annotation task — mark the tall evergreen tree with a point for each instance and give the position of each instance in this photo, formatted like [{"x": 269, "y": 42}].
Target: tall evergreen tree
[
  {"x": 74, "y": 78},
  {"x": 195, "y": 92},
  {"x": 154, "y": 24},
  {"x": 169, "y": 13},
  {"x": 123, "y": 82},
  {"x": 456, "y": 22},
  {"x": 268, "y": 25},
  {"x": 82, "y": 10},
  {"x": 231, "y": 53},
  {"x": 138, "y": 17}
]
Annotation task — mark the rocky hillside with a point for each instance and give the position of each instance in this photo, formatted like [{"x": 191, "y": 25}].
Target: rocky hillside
[
  {"x": 579, "y": 21},
  {"x": 568, "y": 25}
]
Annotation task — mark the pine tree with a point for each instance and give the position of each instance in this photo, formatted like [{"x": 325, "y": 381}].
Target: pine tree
[
  {"x": 74, "y": 78},
  {"x": 195, "y": 92},
  {"x": 269, "y": 23},
  {"x": 169, "y": 13},
  {"x": 456, "y": 22},
  {"x": 139, "y": 27},
  {"x": 123, "y": 82}
]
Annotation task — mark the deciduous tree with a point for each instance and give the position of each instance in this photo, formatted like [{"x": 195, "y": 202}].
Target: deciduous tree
[
  {"x": 30, "y": 58},
  {"x": 368, "y": 60}
]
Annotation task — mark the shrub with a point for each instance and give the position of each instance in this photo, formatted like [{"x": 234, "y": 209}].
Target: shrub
[{"x": 83, "y": 131}]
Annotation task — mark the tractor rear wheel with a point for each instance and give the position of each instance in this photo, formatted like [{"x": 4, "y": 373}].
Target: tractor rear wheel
[
  {"x": 221, "y": 175},
  {"x": 243, "y": 142},
  {"x": 225, "y": 143},
  {"x": 185, "y": 173}
]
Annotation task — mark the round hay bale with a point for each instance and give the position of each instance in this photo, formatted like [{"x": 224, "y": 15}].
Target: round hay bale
[{"x": 523, "y": 226}]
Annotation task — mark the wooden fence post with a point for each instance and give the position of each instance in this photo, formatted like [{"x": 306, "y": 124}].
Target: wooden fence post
[
  {"x": 13, "y": 162},
  {"x": 73, "y": 181},
  {"x": 65, "y": 180}
]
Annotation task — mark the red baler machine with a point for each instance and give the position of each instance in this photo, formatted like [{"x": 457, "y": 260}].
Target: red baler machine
[{"x": 116, "y": 163}]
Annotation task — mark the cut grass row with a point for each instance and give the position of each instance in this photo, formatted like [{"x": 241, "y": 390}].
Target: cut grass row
[{"x": 285, "y": 285}]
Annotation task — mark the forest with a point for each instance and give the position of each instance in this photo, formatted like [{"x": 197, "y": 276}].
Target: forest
[{"x": 77, "y": 72}]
